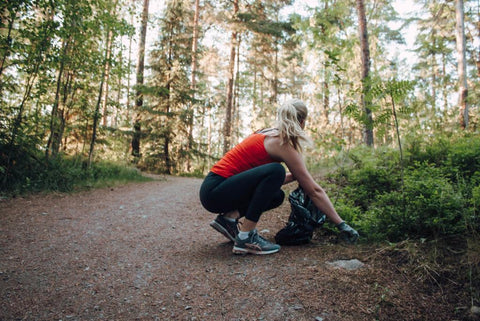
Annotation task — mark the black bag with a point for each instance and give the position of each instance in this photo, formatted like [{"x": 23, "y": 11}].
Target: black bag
[{"x": 303, "y": 220}]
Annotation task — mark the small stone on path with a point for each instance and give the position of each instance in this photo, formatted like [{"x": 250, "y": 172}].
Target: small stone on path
[
  {"x": 353, "y": 264},
  {"x": 475, "y": 310}
]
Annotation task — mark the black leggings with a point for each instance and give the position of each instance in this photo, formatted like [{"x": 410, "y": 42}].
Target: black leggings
[{"x": 251, "y": 192}]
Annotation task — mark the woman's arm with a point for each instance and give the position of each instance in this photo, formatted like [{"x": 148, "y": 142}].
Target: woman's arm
[
  {"x": 296, "y": 165},
  {"x": 298, "y": 170}
]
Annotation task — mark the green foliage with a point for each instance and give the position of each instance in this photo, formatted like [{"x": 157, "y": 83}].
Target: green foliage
[
  {"x": 34, "y": 173},
  {"x": 370, "y": 175},
  {"x": 461, "y": 156},
  {"x": 428, "y": 207},
  {"x": 438, "y": 196},
  {"x": 255, "y": 23},
  {"x": 387, "y": 102}
]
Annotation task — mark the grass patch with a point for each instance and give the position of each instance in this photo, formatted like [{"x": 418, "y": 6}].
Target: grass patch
[{"x": 33, "y": 174}]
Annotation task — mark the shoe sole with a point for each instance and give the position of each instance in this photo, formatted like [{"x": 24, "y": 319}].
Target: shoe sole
[
  {"x": 244, "y": 251},
  {"x": 222, "y": 230}
]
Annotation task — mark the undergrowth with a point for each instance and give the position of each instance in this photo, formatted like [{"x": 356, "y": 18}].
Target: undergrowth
[
  {"x": 33, "y": 174},
  {"x": 436, "y": 195},
  {"x": 426, "y": 207}
]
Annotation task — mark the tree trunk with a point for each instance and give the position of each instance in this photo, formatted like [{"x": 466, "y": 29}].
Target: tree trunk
[
  {"x": 434, "y": 74},
  {"x": 235, "y": 110},
  {"x": 107, "y": 68},
  {"x": 166, "y": 144},
  {"x": 478, "y": 53},
  {"x": 107, "y": 77},
  {"x": 130, "y": 39},
  {"x": 6, "y": 51},
  {"x": 62, "y": 113},
  {"x": 227, "y": 128},
  {"x": 365, "y": 52},
  {"x": 254, "y": 104},
  {"x": 273, "y": 98},
  {"x": 117, "y": 109},
  {"x": 445, "y": 86},
  {"x": 326, "y": 87},
  {"x": 137, "y": 129},
  {"x": 96, "y": 115},
  {"x": 275, "y": 81},
  {"x": 17, "y": 124},
  {"x": 478, "y": 56},
  {"x": 193, "y": 84},
  {"x": 55, "y": 118},
  {"x": 462, "y": 66},
  {"x": 103, "y": 87},
  {"x": 326, "y": 96},
  {"x": 195, "y": 46}
]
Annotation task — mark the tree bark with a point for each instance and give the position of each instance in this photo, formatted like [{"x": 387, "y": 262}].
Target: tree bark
[
  {"x": 235, "y": 104},
  {"x": 56, "y": 116},
  {"x": 478, "y": 56},
  {"x": 137, "y": 129},
  {"x": 227, "y": 129},
  {"x": 365, "y": 52},
  {"x": 9, "y": 41},
  {"x": 461, "y": 64},
  {"x": 107, "y": 77},
  {"x": 103, "y": 92},
  {"x": 193, "y": 84},
  {"x": 195, "y": 46},
  {"x": 326, "y": 96},
  {"x": 434, "y": 73},
  {"x": 17, "y": 123},
  {"x": 107, "y": 68},
  {"x": 130, "y": 40},
  {"x": 96, "y": 117}
]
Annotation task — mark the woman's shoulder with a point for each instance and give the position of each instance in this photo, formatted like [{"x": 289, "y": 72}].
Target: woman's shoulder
[
  {"x": 268, "y": 131},
  {"x": 277, "y": 148}
]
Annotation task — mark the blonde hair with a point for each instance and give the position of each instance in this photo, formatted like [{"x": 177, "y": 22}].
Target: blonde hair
[{"x": 290, "y": 115}]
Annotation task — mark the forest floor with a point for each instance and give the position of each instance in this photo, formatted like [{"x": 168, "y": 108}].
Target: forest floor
[{"x": 145, "y": 251}]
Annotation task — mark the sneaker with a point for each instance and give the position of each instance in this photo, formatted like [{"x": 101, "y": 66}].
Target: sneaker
[
  {"x": 254, "y": 244},
  {"x": 227, "y": 228}
]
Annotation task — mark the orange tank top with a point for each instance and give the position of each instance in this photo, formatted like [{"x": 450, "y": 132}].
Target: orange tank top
[{"x": 248, "y": 154}]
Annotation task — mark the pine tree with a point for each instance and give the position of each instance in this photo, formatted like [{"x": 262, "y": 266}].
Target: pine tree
[
  {"x": 167, "y": 119},
  {"x": 461, "y": 63},
  {"x": 137, "y": 127}
]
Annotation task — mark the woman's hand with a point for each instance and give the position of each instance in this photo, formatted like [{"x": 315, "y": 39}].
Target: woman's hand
[{"x": 347, "y": 233}]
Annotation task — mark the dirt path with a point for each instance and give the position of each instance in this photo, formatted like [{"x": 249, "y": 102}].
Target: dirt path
[{"x": 146, "y": 252}]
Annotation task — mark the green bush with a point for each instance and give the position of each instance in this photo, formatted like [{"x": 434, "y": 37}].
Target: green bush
[
  {"x": 458, "y": 156},
  {"x": 432, "y": 150},
  {"x": 366, "y": 183},
  {"x": 370, "y": 175},
  {"x": 349, "y": 211},
  {"x": 428, "y": 207},
  {"x": 464, "y": 158},
  {"x": 59, "y": 174},
  {"x": 33, "y": 173},
  {"x": 437, "y": 197}
]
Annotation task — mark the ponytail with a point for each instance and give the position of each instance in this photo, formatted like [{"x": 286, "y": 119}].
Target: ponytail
[{"x": 289, "y": 118}]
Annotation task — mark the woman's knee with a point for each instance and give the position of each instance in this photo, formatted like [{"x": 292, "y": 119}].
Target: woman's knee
[
  {"x": 278, "y": 199},
  {"x": 277, "y": 170}
]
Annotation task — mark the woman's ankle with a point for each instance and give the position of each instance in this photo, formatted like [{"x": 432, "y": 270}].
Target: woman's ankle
[
  {"x": 248, "y": 225},
  {"x": 235, "y": 214}
]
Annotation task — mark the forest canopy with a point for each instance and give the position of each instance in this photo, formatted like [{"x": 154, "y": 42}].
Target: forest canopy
[{"x": 171, "y": 90}]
